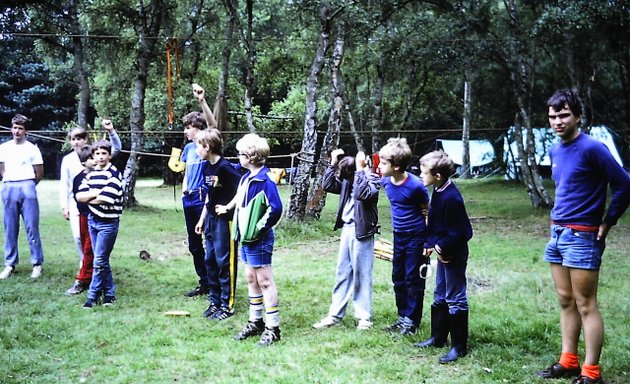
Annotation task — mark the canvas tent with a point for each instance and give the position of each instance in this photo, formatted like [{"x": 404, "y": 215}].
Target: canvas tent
[
  {"x": 544, "y": 139},
  {"x": 481, "y": 152}
]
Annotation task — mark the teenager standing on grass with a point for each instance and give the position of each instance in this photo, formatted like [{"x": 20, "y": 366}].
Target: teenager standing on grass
[
  {"x": 71, "y": 167},
  {"x": 409, "y": 202},
  {"x": 357, "y": 216},
  {"x": 221, "y": 180},
  {"x": 102, "y": 190},
  {"x": 448, "y": 233},
  {"x": 258, "y": 210},
  {"x": 21, "y": 168},
  {"x": 582, "y": 169}
]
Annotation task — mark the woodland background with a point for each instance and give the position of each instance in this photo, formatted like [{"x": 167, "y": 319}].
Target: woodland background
[{"x": 311, "y": 75}]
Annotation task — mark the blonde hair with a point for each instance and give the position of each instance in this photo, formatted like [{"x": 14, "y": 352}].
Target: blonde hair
[
  {"x": 255, "y": 147},
  {"x": 438, "y": 162},
  {"x": 212, "y": 139},
  {"x": 397, "y": 152}
]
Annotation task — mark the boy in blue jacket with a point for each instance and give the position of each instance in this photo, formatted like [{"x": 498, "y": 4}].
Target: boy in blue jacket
[
  {"x": 258, "y": 209},
  {"x": 448, "y": 232}
]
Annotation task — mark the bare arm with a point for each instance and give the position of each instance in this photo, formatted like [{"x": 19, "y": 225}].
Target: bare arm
[
  {"x": 39, "y": 172},
  {"x": 200, "y": 95},
  {"x": 1, "y": 169}
]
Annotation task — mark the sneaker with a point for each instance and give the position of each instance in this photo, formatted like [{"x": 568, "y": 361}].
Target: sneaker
[
  {"x": 37, "y": 272},
  {"x": 222, "y": 314},
  {"x": 6, "y": 272},
  {"x": 212, "y": 309},
  {"x": 108, "y": 300},
  {"x": 76, "y": 288},
  {"x": 408, "y": 329},
  {"x": 364, "y": 324},
  {"x": 395, "y": 328},
  {"x": 558, "y": 371},
  {"x": 327, "y": 322},
  {"x": 89, "y": 304},
  {"x": 198, "y": 291},
  {"x": 269, "y": 336},
  {"x": 587, "y": 380},
  {"x": 253, "y": 328}
]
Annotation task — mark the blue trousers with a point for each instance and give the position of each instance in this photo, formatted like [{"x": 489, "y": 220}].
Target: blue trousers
[
  {"x": 193, "y": 206},
  {"x": 20, "y": 199},
  {"x": 103, "y": 233},
  {"x": 221, "y": 260},
  {"x": 450, "y": 283},
  {"x": 408, "y": 285}
]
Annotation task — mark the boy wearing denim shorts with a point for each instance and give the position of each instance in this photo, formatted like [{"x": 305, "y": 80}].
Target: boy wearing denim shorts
[
  {"x": 258, "y": 209},
  {"x": 409, "y": 202},
  {"x": 582, "y": 169}
]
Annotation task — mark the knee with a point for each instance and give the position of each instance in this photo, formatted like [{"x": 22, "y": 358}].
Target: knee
[{"x": 566, "y": 300}]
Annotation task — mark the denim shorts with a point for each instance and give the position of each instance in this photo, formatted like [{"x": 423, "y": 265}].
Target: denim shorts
[
  {"x": 574, "y": 249},
  {"x": 258, "y": 254}
]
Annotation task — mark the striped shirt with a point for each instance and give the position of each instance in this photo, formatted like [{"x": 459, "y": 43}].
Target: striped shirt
[{"x": 108, "y": 182}]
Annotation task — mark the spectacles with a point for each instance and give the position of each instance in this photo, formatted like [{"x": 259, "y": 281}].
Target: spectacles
[{"x": 243, "y": 154}]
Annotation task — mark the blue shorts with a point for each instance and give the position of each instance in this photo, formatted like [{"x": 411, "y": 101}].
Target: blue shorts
[
  {"x": 574, "y": 249},
  {"x": 258, "y": 254}
]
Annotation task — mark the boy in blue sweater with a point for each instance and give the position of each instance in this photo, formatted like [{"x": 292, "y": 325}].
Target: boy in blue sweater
[
  {"x": 258, "y": 211},
  {"x": 582, "y": 169},
  {"x": 449, "y": 231},
  {"x": 409, "y": 201}
]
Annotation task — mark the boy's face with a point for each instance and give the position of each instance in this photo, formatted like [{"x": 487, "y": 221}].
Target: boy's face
[
  {"x": 202, "y": 151},
  {"x": 386, "y": 167},
  {"x": 101, "y": 158},
  {"x": 77, "y": 142},
  {"x": 19, "y": 133},
  {"x": 89, "y": 164},
  {"x": 427, "y": 177},
  {"x": 190, "y": 132},
  {"x": 564, "y": 123},
  {"x": 243, "y": 159}
]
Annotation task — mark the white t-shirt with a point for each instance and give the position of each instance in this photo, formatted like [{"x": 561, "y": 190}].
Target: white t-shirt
[{"x": 19, "y": 160}]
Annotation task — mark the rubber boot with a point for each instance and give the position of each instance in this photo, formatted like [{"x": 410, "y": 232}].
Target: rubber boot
[
  {"x": 439, "y": 327},
  {"x": 458, "y": 325}
]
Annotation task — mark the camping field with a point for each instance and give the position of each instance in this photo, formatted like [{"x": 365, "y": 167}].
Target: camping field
[{"x": 46, "y": 337}]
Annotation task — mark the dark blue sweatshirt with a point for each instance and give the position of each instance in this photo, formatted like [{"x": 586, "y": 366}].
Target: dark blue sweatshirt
[{"x": 448, "y": 224}]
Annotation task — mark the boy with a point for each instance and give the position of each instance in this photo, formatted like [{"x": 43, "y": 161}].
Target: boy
[
  {"x": 71, "y": 167},
  {"x": 21, "y": 168},
  {"x": 582, "y": 169},
  {"x": 193, "y": 197},
  {"x": 102, "y": 190},
  {"x": 409, "y": 199},
  {"x": 357, "y": 215},
  {"x": 258, "y": 210},
  {"x": 448, "y": 233},
  {"x": 221, "y": 180}
]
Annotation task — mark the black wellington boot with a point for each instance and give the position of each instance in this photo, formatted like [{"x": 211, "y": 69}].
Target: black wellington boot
[
  {"x": 439, "y": 327},
  {"x": 458, "y": 324}
]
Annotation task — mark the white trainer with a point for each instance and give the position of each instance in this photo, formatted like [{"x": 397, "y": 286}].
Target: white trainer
[
  {"x": 327, "y": 322},
  {"x": 37, "y": 272},
  {"x": 6, "y": 272},
  {"x": 364, "y": 324}
]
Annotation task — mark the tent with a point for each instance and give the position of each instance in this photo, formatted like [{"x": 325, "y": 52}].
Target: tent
[
  {"x": 481, "y": 152},
  {"x": 544, "y": 139}
]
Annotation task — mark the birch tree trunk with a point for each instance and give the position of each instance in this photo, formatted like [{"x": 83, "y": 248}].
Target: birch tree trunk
[
  {"x": 378, "y": 106},
  {"x": 147, "y": 26},
  {"x": 79, "y": 66},
  {"x": 302, "y": 180},
  {"x": 466, "y": 129},
  {"x": 221, "y": 105},
  {"x": 317, "y": 198}
]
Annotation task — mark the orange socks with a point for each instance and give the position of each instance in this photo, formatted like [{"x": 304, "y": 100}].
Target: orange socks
[
  {"x": 569, "y": 360},
  {"x": 591, "y": 371}
]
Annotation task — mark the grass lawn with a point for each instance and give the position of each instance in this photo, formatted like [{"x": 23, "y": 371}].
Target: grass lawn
[{"x": 46, "y": 337}]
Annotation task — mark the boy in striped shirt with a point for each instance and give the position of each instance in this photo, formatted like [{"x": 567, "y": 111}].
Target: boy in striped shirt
[{"x": 102, "y": 191}]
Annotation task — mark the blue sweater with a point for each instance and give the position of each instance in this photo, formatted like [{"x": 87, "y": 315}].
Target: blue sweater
[
  {"x": 448, "y": 223},
  {"x": 582, "y": 170},
  {"x": 406, "y": 201}
]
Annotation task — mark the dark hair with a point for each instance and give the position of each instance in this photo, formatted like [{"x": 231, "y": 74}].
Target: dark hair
[
  {"x": 102, "y": 144},
  {"x": 195, "y": 119},
  {"x": 84, "y": 153},
  {"x": 79, "y": 132},
  {"x": 20, "y": 120},
  {"x": 566, "y": 98},
  {"x": 347, "y": 167}
]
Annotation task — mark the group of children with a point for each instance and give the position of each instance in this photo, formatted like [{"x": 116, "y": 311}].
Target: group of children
[{"x": 421, "y": 226}]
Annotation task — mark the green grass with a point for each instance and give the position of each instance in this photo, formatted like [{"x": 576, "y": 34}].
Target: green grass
[{"x": 46, "y": 337}]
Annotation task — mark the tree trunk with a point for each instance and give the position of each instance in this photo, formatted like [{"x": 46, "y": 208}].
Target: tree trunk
[
  {"x": 148, "y": 25},
  {"x": 221, "y": 105},
  {"x": 466, "y": 129},
  {"x": 378, "y": 106},
  {"x": 251, "y": 63},
  {"x": 317, "y": 198},
  {"x": 297, "y": 202},
  {"x": 79, "y": 68}
]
